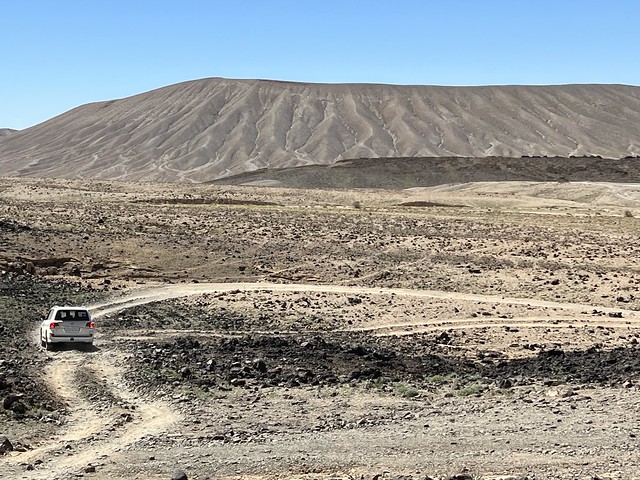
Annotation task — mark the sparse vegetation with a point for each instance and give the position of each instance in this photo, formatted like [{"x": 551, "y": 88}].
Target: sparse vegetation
[
  {"x": 405, "y": 391},
  {"x": 473, "y": 389},
  {"x": 441, "y": 379}
]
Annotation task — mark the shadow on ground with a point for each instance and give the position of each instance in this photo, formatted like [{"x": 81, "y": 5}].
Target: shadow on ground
[{"x": 78, "y": 347}]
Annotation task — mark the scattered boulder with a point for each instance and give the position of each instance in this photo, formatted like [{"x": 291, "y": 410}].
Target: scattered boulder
[
  {"x": 461, "y": 476},
  {"x": 561, "y": 392},
  {"x": 260, "y": 365},
  {"x": 75, "y": 271},
  {"x": 444, "y": 338},
  {"x": 5, "y": 445},
  {"x": 19, "y": 408},
  {"x": 505, "y": 383},
  {"x": 9, "y": 400},
  {"x": 358, "y": 350},
  {"x": 179, "y": 475},
  {"x": 354, "y": 300}
]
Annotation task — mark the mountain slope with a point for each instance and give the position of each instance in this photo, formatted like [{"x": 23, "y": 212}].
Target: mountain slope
[
  {"x": 4, "y": 132},
  {"x": 208, "y": 129}
]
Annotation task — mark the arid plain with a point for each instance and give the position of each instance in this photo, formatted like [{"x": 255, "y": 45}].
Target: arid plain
[{"x": 481, "y": 330}]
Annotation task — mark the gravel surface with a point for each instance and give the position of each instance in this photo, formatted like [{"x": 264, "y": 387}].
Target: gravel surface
[{"x": 308, "y": 338}]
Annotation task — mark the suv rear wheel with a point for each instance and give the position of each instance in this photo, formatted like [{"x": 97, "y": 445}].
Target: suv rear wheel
[{"x": 47, "y": 345}]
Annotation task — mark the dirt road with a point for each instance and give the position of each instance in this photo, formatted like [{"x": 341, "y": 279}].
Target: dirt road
[
  {"x": 105, "y": 416},
  {"x": 180, "y": 290}
]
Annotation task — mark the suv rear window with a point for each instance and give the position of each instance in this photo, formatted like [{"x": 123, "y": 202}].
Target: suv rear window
[{"x": 72, "y": 315}]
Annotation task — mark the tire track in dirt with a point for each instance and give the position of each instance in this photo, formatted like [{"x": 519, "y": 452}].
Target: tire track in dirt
[
  {"x": 148, "y": 418},
  {"x": 92, "y": 432},
  {"x": 396, "y": 329},
  {"x": 559, "y": 319},
  {"x": 472, "y": 323},
  {"x": 176, "y": 291}
]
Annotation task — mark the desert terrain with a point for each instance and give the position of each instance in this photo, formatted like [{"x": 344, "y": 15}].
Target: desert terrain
[
  {"x": 212, "y": 128},
  {"x": 407, "y": 173},
  {"x": 472, "y": 330}
]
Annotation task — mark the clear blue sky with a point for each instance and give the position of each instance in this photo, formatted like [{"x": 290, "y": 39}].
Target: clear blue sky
[{"x": 59, "y": 54}]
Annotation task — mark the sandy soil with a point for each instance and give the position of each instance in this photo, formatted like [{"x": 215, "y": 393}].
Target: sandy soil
[{"x": 271, "y": 333}]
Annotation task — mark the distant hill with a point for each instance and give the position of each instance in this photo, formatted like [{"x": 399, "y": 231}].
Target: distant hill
[
  {"x": 400, "y": 173},
  {"x": 213, "y": 128},
  {"x": 4, "y": 132}
]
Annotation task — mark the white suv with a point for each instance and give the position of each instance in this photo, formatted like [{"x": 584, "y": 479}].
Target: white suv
[{"x": 66, "y": 325}]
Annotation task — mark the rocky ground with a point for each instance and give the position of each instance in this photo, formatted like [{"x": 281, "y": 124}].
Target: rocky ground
[
  {"x": 24, "y": 300},
  {"x": 266, "y": 333}
]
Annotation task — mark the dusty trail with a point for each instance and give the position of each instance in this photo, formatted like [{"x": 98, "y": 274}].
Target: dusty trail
[
  {"x": 177, "y": 291},
  {"x": 83, "y": 421},
  {"x": 397, "y": 329},
  {"x": 93, "y": 434},
  {"x": 94, "y": 430}
]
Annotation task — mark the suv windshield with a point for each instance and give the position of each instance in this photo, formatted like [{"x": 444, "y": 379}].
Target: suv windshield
[{"x": 72, "y": 315}]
